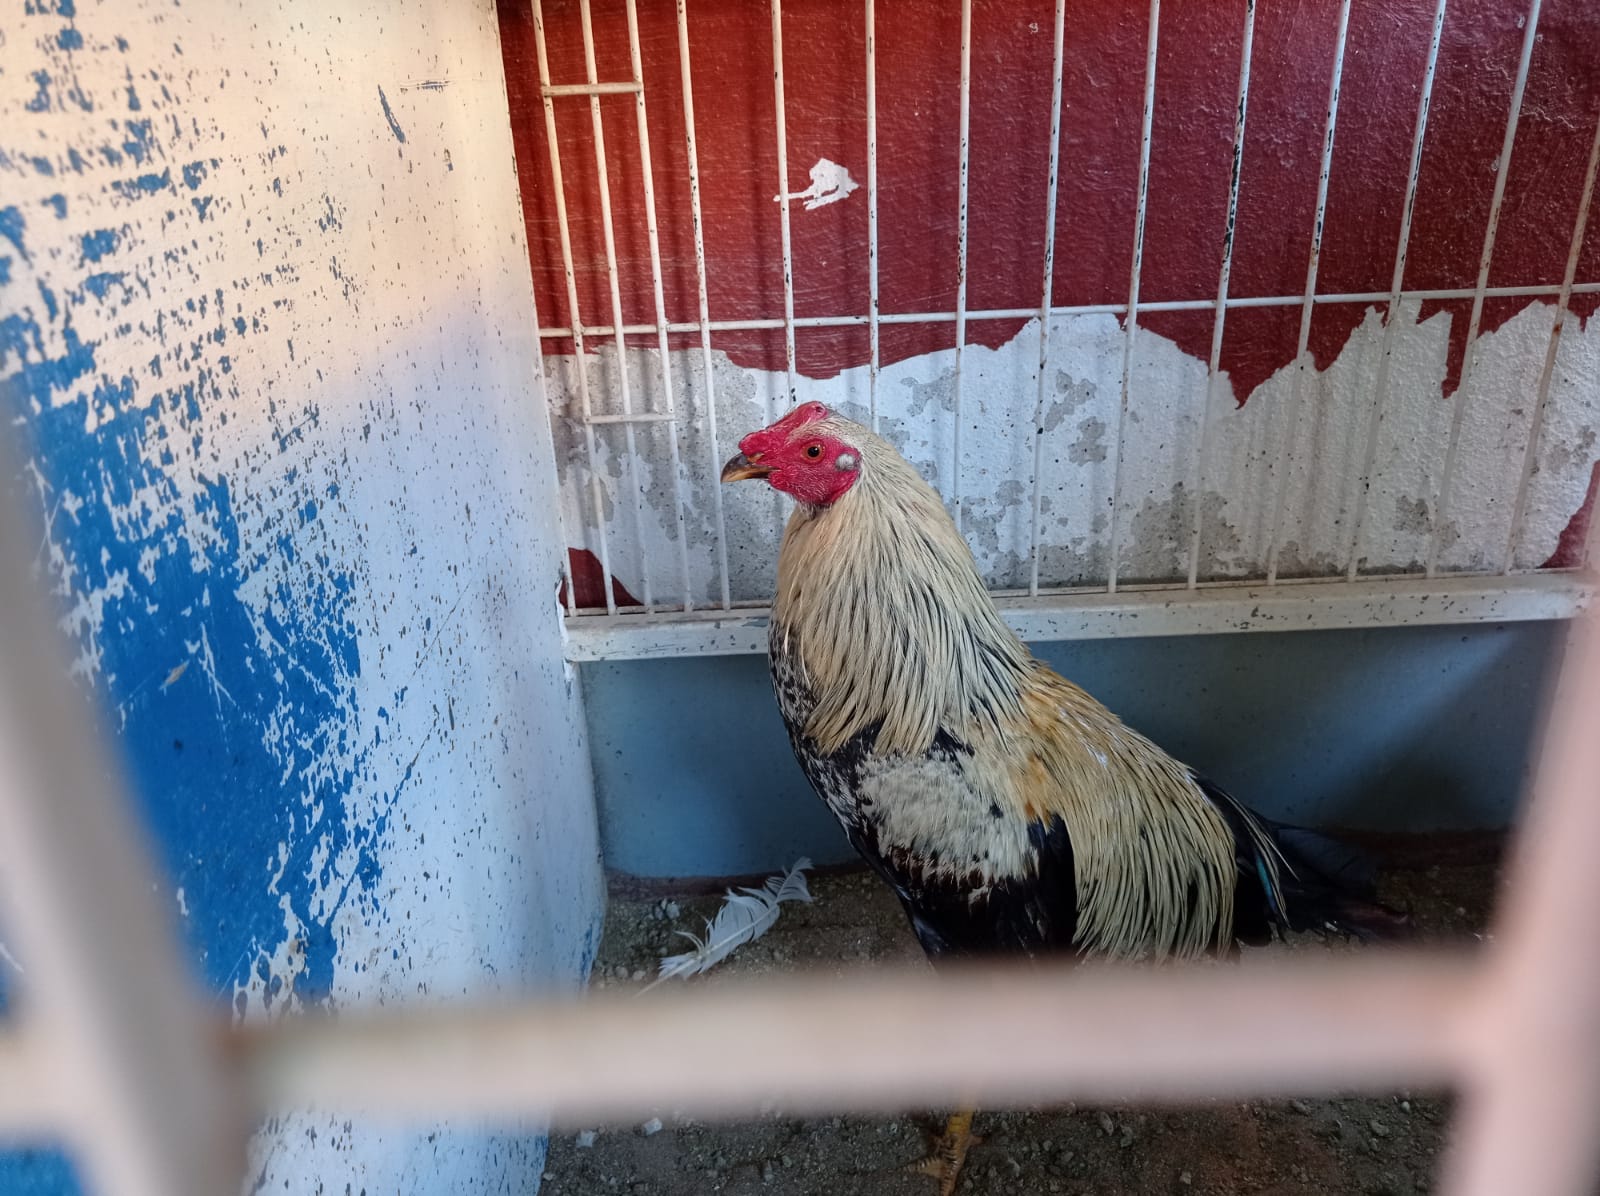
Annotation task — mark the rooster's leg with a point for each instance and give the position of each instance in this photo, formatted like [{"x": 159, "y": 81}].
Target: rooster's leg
[{"x": 950, "y": 1152}]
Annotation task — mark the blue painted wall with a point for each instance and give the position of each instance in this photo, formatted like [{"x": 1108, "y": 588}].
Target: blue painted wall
[
  {"x": 1424, "y": 728},
  {"x": 265, "y": 322}
]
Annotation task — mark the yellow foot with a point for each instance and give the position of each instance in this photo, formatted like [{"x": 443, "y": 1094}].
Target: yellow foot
[{"x": 949, "y": 1153}]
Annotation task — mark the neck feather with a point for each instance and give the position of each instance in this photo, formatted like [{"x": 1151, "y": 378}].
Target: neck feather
[{"x": 881, "y": 604}]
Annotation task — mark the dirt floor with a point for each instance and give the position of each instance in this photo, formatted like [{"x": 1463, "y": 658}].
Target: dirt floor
[{"x": 1374, "y": 1146}]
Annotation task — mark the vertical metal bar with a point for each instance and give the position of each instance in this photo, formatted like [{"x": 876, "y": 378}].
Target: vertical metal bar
[
  {"x": 1132, "y": 318},
  {"x": 872, "y": 211},
  {"x": 1532, "y": 1094},
  {"x": 1381, "y": 385},
  {"x": 592, "y": 75},
  {"x": 1219, "y": 320},
  {"x": 1049, "y": 289},
  {"x": 781, "y": 121},
  {"x": 542, "y": 378},
  {"x": 700, "y": 288},
  {"x": 1530, "y": 455},
  {"x": 579, "y": 365},
  {"x": 1308, "y": 304},
  {"x": 134, "y": 1080},
  {"x": 1502, "y": 171},
  {"x": 783, "y": 195},
  {"x": 647, "y": 167},
  {"x": 961, "y": 250}
]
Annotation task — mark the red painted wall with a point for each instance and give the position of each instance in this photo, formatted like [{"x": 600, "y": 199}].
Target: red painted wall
[
  {"x": 918, "y": 43},
  {"x": 1197, "y": 75}
]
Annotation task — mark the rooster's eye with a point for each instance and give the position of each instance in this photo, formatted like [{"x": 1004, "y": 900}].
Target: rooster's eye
[{"x": 813, "y": 451}]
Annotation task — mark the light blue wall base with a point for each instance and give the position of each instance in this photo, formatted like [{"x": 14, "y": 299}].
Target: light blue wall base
[{"x": 1401, "y": 729}]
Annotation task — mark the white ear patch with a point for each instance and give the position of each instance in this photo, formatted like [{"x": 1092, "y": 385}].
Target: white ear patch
[{"x": 846, "y": 462}]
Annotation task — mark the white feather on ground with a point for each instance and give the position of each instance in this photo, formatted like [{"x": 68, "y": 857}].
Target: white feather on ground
[{"x": 745, "y": 916}]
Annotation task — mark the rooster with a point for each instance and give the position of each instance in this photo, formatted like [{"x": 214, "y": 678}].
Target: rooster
[{"x": 1009, "y": 811}]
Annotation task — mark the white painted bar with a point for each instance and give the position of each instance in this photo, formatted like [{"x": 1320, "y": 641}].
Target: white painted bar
[
  {"x": 652, "y": 233},
  {"x": 1084, "y": 309},
  {"x": 1049, "y": 283},
  {"x": 580, "y": 360},
  {"x": 961, "y": 252},
  {"x": 872, "y": 213},
  {"x": 782, "y": 125},
  {"x": 1147, "y": 611},
  {"x": 1536, "y": 428},
  {"x": 1530, "y": 1101},
  {"x": 637, "y": 417},
  {"x": 704, "y": 323},
  {"x": 1219, "y": 321},
  {"x": 1132, "y": 308},
  {"x": 1502, "y": 172},
  {"x": 590, "y": 89},
  {"x": 613, "y": 278},
  {"x": 783, "y": 196},
  {"x": 1303, "y": 361},
  {"x": 1381, "y": 387},
  {"x": 1049, "y": 1033}
]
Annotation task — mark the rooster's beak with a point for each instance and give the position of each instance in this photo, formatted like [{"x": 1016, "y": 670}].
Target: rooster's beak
[{"x": 741, "y": 467}]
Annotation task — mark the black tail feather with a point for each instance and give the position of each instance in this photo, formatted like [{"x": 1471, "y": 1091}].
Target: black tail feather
[{"x": 1323, "y": 885}]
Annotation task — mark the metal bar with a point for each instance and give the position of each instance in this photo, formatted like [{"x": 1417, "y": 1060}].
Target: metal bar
[
  {"x": 1041, "y": 1035},
  {"x": 579, "y": 362},
  {"x": 961, "y": 251},
  {"x": 704, "y": 324},
  {"x": 652, "y": 233},
  {"x": 1502, "y": 171},
  {"x": 873, "y": 362},
  {"x": 1214, "y": 608},
  {"x": 638, "y": 417},
  {"x": 1530, "y": 455},
  {"x": 1308, "y": 305},
  {"x": 1049, "y": 285},
  {"x": 590, "y": 89},
  {"x": 569, "y": 583},
  {"x": 782, "y": 126},
  {"x": 1133, "y": 288},
  {"x": 612, "y": 277},
  {"x": 1532, "y": 1093},
  {"x": 106, "y": 1005},
  {"x": 1219, "y": 321},
  {"x": 1381, "y": 386},
  {"x": 1085, "y": 309}
]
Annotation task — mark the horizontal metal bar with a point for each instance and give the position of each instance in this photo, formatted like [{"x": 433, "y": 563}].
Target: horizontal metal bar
[
  {"x": 591, "y": 89},
  {"x": 1050, "y": 1033},
  {"x": 1081, "y": 309},
  {"x": 1315, "y": 604},
  {"x": 637, "y": 417}
]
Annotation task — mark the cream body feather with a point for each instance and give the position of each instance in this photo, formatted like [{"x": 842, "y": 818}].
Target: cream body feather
[{"x": 943, "y": 745}]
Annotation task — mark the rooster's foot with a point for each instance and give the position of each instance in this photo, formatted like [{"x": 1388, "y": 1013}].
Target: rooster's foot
[{"x": 949, "y": 1153}]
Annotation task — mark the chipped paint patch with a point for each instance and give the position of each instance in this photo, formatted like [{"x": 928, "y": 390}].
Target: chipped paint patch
[
  {"x": 1243, "y": 485},
  {"x": 388, "y": 115}
]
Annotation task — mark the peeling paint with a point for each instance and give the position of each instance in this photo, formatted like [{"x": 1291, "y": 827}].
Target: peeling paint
[{"x": 1245, "y": 482}]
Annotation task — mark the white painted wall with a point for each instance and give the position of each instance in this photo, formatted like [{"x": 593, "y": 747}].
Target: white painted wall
[
  {"x": 1243, "y": 466},
  {"x": 266, "y": 323}
]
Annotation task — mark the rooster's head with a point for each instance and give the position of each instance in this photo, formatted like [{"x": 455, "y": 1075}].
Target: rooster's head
[{"x": 807, "y": 454}]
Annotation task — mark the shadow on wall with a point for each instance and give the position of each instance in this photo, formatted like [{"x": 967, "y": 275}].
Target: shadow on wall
[{"x": 1394, "y": 729}]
